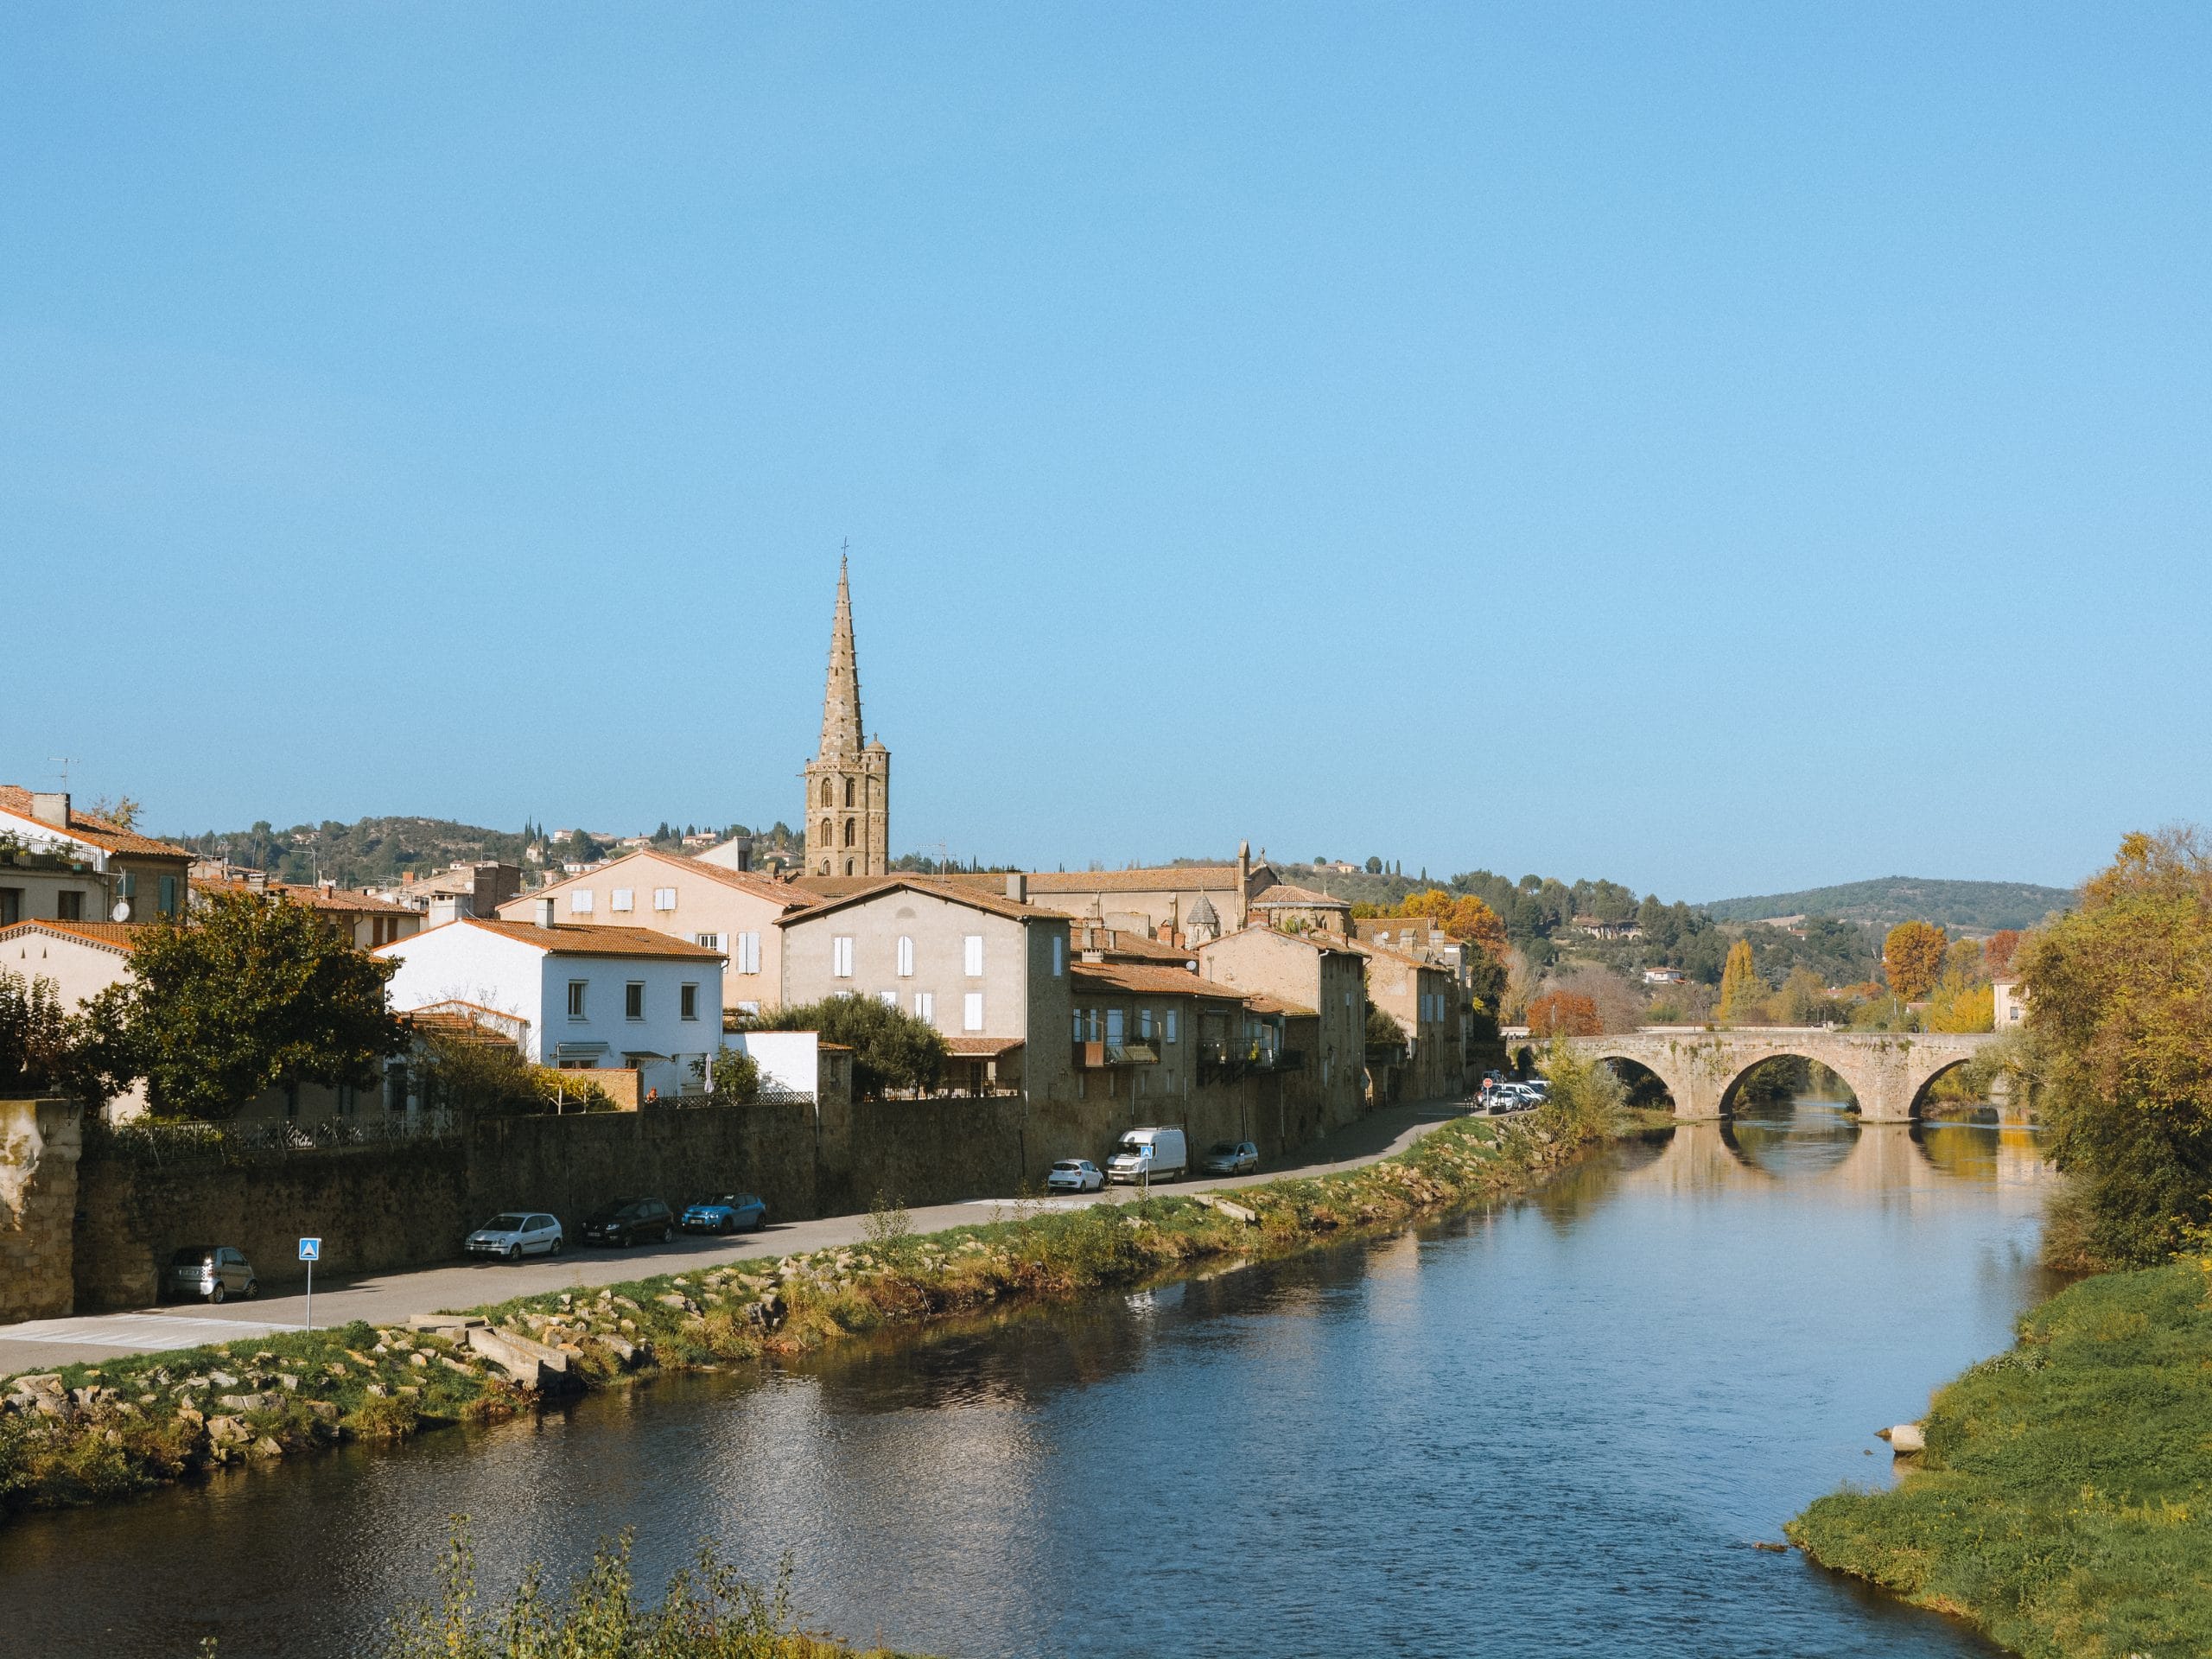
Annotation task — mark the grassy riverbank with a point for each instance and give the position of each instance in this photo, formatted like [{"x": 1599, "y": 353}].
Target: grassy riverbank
[
  {"x": 2064, "y": 1502},
  {"x": 95, "y": 1432}
]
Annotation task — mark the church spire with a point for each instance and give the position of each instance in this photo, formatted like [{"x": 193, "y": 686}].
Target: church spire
[{"x": 841, "y": 700}]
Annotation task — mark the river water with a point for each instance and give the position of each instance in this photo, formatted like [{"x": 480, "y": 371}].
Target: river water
[{"x": 1553, "y": 1427}]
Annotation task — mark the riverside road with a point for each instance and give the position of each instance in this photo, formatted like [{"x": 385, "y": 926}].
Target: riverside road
[{"x": 390, "y": 1297}]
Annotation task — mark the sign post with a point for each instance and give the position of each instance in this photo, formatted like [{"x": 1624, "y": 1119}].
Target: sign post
[{"x": 310, "y": 1252}]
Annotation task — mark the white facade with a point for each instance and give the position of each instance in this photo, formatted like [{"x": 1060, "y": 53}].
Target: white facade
[{"x": 591, "y": 1000}]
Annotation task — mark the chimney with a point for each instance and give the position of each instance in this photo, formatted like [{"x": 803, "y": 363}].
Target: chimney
[
  {"x": 51, "y": 806},
  {"x": 1017, "y": 887},
  {"x": 545, "y": 912}
]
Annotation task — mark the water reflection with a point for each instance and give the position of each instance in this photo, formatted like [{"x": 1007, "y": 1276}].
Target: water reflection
[{"x": 1548, "y": 1427}]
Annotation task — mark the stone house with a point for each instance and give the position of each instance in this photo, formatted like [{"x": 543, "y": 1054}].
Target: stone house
[
  {"x": 1428, "y": 1003},
  {"x": 1322, "y": 977},
  {"x": 361, "y": 920},
  {"x": 710, "y": 906},
  {"x": 987, "y": 970},
  {"x": 59, "y": 864},
  {"x": 1299, "y": 909},
  {"x": 592, "y": 997}
]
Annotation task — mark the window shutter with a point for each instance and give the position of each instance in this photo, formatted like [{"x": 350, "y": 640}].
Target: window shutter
[
  {"x": 973, "y": 955},
  {"x": 971, "y": 1011}
]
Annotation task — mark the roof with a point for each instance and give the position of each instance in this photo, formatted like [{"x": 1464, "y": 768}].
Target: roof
[
  {"x": 1163, "y": 878},
  {"x": 1143, "y": 979},
  {"x": 1261, "y": 1002},
  {"x": 782, "y": 893},
  {"x": 1112, "y": 942},
  {"x": 1321, "y": 941},
  {"x": 931, "y": 887},
  {"x": 987, "y": 1048},
  {"x": 312, "y": 897},
  {"x": 122, "y": 937},
  {"x": 95, "y": 832},
  {"x": 570, "y": 939},
  {"x": 1283, "y": 895},
  {"x": 1372, "y": 949}
]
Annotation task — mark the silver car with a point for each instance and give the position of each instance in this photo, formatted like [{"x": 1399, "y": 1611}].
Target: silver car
[
  {"x": 215, "y": 1271},
  {"x": 515, "y": 1234}
]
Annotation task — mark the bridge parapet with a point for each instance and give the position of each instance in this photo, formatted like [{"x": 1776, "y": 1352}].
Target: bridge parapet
[{"x": 1887, "y": 1070}]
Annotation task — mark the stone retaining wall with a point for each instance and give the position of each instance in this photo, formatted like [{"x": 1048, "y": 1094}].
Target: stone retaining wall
[{"x": 38, "y": 1195}]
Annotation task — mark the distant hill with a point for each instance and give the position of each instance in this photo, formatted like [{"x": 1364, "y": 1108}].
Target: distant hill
[
  {"x": 1893, "y": 898},
  {"x": 355, "y": 855}
]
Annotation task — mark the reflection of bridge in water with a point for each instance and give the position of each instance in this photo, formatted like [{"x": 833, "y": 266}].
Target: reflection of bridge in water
[
  {"x": 1888, "y": 1071},
  {"x": 1888, "y": 1159}
]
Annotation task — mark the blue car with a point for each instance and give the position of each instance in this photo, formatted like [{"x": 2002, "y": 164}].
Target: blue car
[{"x": 733, "y": 1212}]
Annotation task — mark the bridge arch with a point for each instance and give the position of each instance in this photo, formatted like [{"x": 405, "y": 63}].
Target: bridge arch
[{"x": 1887, "y": 1073}]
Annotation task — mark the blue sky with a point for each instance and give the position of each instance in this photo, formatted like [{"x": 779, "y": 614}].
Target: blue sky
[{"x": 1725, "y": 448}]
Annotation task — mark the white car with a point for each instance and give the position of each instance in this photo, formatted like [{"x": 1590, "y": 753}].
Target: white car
[
  {"x": 515, "y": 1234},
  {"x": 1075, "y": 1175}
]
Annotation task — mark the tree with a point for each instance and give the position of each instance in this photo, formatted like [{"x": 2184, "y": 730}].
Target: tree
[
  {"x": 122, "y": 811},
  {"x": 1741, "y": 989},
  {"x": 1912, "y": 958},
  {"x": 1374, "y": 867},
  {"x": 1383, "y": 1032},
  {"x": 38, "y": 1036},
  {"x": 1475, "y": 922},
  {"x": 1957, "y": 1005},
  {"x": 1564, "y": 1013},
  {"x": 891, "y": 1049},
  {"x": 1997, "y": 951},
  {"x": 2119, "y": 1027},
  {"x": 253, "y": 993}
]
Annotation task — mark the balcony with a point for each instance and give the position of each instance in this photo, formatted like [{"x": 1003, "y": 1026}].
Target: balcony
[{"x": 1140, "y": 1050}]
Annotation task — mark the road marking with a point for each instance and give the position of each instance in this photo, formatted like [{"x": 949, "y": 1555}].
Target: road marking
[{"x": 140, "y": 1330}]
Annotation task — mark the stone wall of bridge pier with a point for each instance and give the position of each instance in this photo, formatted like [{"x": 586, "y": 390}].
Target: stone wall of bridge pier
[{"x": 1886, "y": 1071}]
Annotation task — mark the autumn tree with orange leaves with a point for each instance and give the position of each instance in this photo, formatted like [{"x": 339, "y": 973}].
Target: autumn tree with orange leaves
[
  {"x": 1912, "y": 958},
  {"x": 1564, "y": 1013}
]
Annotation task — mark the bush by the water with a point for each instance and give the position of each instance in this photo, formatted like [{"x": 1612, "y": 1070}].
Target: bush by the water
[{"x": 2064, "y": 1502}]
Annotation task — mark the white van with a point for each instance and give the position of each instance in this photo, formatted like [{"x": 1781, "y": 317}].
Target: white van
[{"x": 1155, "y": 1154}]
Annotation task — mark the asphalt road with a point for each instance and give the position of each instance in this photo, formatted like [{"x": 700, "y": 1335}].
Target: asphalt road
[{"x": 389, "y": 1298}]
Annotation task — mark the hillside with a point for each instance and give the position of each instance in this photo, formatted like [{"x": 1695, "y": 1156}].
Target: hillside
[
  {"x": 1892, "y": 899},
  {"x": 355, "y": 855}
]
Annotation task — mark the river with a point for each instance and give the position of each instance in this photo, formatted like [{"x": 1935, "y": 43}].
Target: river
[{"x": 1556, "y": 1426}]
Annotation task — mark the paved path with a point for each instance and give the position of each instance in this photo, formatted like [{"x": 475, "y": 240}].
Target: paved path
[{"x": 389, "y": 1298}]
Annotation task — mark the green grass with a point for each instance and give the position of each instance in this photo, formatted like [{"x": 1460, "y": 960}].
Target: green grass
[{"x": 2064, "y": 1504}]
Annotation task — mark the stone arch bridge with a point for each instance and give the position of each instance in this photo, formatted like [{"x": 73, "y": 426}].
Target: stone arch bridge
[{"x": 1888, "y": 1071}]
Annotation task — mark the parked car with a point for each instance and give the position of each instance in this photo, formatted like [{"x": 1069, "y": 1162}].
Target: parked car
[
  {"x": 514, "y": 1234},
  {"x": 625, "y": 1221},
  {"x": 733, "y": 1212},
  {"x": 1230, "y": 1157},
  {"x": 215, "y": 1271},
  {"x": 1157, "y": 1154},
  {"x": 1075, "y": 1175}
]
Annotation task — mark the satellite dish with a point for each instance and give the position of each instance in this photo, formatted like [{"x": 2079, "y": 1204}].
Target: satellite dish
[{"x": 121, "y": 910}]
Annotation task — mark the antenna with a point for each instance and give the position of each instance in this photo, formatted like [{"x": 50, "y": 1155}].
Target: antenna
[{"x": 63, "y": 762}]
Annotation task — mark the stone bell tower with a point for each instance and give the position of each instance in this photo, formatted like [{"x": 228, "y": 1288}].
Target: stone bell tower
[{"x": 849, "y": 784}]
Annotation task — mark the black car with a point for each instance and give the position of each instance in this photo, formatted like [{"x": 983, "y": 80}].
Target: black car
[{"x": 627, "y": 1221}]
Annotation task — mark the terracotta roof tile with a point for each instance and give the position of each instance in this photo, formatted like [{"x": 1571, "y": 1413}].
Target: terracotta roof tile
[
  {"x": 120, "y": 936},
  {"x": 313, "y": 898},
  {"x": 1143, "y": 979},
  {"x": 934, "y": 887},
  {"x": 986, "y": 1048},
  {"x": 99, "y": 832},
  {"x": 782, "y": 893},
  {"x": 1283, "y": 894},
  {"x": 568, "y": 939}
]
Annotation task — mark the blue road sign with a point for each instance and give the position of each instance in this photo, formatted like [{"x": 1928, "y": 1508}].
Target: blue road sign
[{"x": 310, "y": 1250}]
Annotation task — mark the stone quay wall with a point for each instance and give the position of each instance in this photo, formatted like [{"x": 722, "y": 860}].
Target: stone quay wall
[{"x": 38, "y": 1146}]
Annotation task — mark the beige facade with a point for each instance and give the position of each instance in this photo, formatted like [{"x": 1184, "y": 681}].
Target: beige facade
[
  {"x": 848, "y": 817},
  {"x": 1428, "y": 1003},
  {"x": 1308, "y": 972},
  {"x": 1187, "y": 902},
  {"x": 361, "y": 920},
  {"x": 701, "y": 904},
  {"x": 59, "y": 864}
]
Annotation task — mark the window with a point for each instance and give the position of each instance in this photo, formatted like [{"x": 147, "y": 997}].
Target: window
[
  {"x": 851, "y": 829},
  {"x": 1169, "y": 1032},
  {"x": 1090, "y": 1025},
  {"x": 349, "y": 1101},
  {"x": 709, "y": 941},
  {"x": 1059, "y": 954},
  {"x": 1144, "y": 1025},
  {"x": 11, "y": 906},
  {"x": 848, "y": 801},
  {"x": 69, "y": 907},
  {"x": 291, "y": 1100},
  {"x": 1114, "y": 1018},
  {"x": 825, "y": 801},
  {"x": 889, "y": 999},
  {"x": 576, "y": 998},
  {"x": 925, "y": 1006},
  {"x": 623, "y": 899},
  {"x": 972, "y": 956},
  {"x": 664, "y": 898},
  {"x": 840, "y": 956},
  {"x": 971, "y": 1011},
  {"x": 687, "y": 1001},
  {"x": 580, "y": 902},
  {"x": 905, "y": 958},
  {"x": 749, "y": 1008},
  {"x": 633, "y": 1000},
  {"x": 748, "y": 953}
]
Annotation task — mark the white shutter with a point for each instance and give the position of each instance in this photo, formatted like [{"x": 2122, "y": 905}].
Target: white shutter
[
  {"x": 620, "y": 900},
  {"x": 925, "y": 1006},
  {"x": 664, "y": 898},
  {"x": 580, "y": 902},
  {"x": 905, "y": 958},
  {"x": 840, "y": 956},
  {"x": 971, "y": 1011},
  {"x": 973, "y": 956}
]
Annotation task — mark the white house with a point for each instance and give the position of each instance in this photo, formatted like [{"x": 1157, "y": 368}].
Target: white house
[{"x": 591, "y": 996}]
